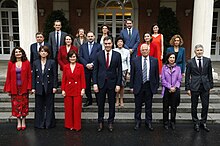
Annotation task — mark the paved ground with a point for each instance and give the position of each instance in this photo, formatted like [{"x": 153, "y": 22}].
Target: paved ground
[{"x": 123, "y": 135}]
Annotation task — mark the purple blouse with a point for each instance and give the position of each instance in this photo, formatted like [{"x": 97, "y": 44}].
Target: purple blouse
[
  {"x": 170, "y": 79},
  {"x": 18, "y": 76}
]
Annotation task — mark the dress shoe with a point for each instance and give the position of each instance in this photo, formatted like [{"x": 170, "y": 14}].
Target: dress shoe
[
  {"x": 110, "y": 127},
  {"x": 196, "y": 127},
  {"x": 19, "y": 128},
  {"x": 204, "y": 126},
  {"x": 23, "y": 128},
  {"x": 150, "y": 127},
  {"x": 166, "y": 127},
  {"x": 100, "y": 127},
  {"x": 137, "y": 126},
  {"x": 87, "y": 104},
  {"x": 173, "y": 126}
]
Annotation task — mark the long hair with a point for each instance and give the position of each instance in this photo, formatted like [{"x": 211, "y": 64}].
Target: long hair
[{"x": 23, "y": 57}]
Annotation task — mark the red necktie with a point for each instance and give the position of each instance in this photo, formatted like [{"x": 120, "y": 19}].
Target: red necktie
[{"x": 107, "y": 60}]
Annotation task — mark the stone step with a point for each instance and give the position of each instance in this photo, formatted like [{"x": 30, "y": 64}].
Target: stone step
[
  {"x": 119, "y": 117},
  {"x": 128, "y": 98},
  {"x": 129, "y": 107}
]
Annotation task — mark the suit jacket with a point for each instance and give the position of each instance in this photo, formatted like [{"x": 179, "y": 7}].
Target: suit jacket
[
  {"x": 137, "y": 76},
  {"x": 73, "y": 82},
  {"x": 46, "y": 80},
  {"x": 135, "y": 39},
  {"x": 180, "y": 60},
  {"x": 194, "y": 77},
  {"x": 34, "y": 52},
  {"x": 112, "y": 75},
  {"x": 62, "y": 54},
  {"x": 84, "y": 56},
  {"x": 53, "y": 44},
  {"x": 10, "y": 84}
]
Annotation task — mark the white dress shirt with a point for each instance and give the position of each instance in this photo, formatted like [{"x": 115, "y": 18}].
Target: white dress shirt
[{"x": 197, "y": 61}]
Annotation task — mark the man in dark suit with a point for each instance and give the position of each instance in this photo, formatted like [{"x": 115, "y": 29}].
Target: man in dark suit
[
  {"x": 87, "y": 55},
  {"x": 131, "y": 37},
  {"x": 34, "y": 49},
  {"x": 144, "y": 83},
  {"x": 198, "y": 82},
  {"x": 107, "y": 78},
  {"x": 56, "y": 39}
]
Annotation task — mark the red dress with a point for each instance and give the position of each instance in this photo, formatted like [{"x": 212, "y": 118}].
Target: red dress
[
  {"x": 72, "y": 84},
  {"x": 153, "y": 50},
  {"x": 157, "y": 41},
  {"x": 62, "y": 54},
  {"x": 19, "y": 94}
]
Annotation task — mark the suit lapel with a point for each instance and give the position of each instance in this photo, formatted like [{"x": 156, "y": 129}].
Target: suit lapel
[{"x": 195, "y": 64}]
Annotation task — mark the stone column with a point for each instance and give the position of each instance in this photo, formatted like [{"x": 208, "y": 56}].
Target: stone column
[
  {"x": 28, "y": 23},
  {"x": 202, "y": 25}
]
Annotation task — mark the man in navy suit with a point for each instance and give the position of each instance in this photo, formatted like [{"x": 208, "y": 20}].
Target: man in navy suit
[
  {"x": 34, "y": 49},
  {"x": 131, "y": 37},
  {"x": 144, "y": 83},
  {"x": 56, "y": 39},
  {"x": 107, "y": 78},
  {"x": 199, "y": 82},
  {"x": 87, "y": 54}
]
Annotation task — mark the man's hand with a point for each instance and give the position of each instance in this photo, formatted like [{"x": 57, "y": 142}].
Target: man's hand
[
  {"x": 117, "y": 89},
  {"x": 54, "y": 90},
  {"x": 189, "y": 92},
  {"x": 89, "y": 66},
  {"x": 95, "y": 88},
  {"x": 131, "y": 51}
]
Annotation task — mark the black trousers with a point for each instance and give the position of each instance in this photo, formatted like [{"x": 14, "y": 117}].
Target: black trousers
[
  {"x": 145, "y": 95},
  {"x": 170, "y": 100},
  {"x": 88, "y": 92},
  {"x": 101, "y": 95},
  {"x": 44, "y": 111},
  {"x": 204, "y": 96}
]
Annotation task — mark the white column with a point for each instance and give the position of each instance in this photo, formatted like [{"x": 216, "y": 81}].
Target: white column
[
  {"x": 28, "y": 23},
  {"x": 202, "y": 25}
]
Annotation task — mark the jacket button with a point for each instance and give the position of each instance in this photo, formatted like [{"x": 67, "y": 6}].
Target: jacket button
[
  {"x": 69, "y": 82},
  {"x": 38, "y": 76},
  {"x": 75, "y": 82},
  {"x": 47, "y": 75}
]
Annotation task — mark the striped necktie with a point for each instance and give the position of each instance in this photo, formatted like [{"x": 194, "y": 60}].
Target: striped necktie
[{"x": 144, "y": 71}]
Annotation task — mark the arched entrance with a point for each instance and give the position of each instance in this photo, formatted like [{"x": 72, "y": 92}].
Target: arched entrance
[
  {"x": 9, "y": 28},
  {"x": 113, "y": 13}
]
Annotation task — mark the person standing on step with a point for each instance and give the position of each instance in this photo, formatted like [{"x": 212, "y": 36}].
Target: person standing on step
[{"x": 199, "y": 82}]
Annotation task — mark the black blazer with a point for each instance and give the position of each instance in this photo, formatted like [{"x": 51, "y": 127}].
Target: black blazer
[
  {"x": 84, "y": 56},
  {"x": 111, "y": 76},
  {"x": 48, "y": 79},
  {"x": 34, "y": 54},
  {"x": 137, "y": 77},
  {"x": 194, "y": 77}
]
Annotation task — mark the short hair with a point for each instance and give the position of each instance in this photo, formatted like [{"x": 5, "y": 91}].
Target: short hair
[
  {"x": 105, "y": 26},
  {"x": 70, "y": 54},
  {"x": 199, "y": 46},
  {"x": 57, "y": 21},
  {"x": 40, "y": 33},
  {"x": 46, "y": 49},
  {"x": 173, "y": 39},
  {"x": 90, "y": 32},
  {"x": 23, "y": 57},
  {"x": 129, "y": 19},
  {"x": 155, "y": 24},
  {"x": 119, "y": 38},
  {"x": 69, "y": 35},
  {"x": 108, "y": 38},
  {"x": 168, "y": 56}
]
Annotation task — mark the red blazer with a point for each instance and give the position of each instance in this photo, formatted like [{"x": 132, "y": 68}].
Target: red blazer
[
  {"x": 73, "y": 83},
  {"x": 62, "y": 54},
  {"x": 11, "y": 82},
  {"x": 153, "y": 50}
]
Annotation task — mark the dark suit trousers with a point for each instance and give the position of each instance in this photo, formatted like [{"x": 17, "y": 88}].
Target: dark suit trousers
[
  {"x": 145, "y": 95},
  {"x": 44, "y": 111},
  {"x": 101, "y": 103},
  {"x": 204, "y": 96},
  {"x": 88, "y": 75}
]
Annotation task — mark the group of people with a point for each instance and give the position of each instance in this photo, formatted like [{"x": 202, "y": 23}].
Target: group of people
[{"x": 84, "y": 63}]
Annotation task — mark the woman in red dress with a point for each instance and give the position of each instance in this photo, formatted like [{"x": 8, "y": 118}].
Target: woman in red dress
[
  {"x": 64, "y": 50},
  {"x": 153, "y": 47},
  {"x": 158, "y": 40},
  {"x": 73, "y": 88},
  {"x": 18, "y": 85}
]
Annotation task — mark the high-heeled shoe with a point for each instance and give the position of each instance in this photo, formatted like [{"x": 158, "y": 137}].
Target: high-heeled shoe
[
  {"x": 23, "y": 128},
  {"x": 19, "y": 128}
]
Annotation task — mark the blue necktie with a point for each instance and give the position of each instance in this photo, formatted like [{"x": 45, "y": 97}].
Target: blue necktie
[
  {"x": 90, "y": 48},
  {"x": 144, "y": 71}
]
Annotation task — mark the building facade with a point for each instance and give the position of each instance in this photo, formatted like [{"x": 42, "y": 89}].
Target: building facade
[{"x": 199, "y": 20}]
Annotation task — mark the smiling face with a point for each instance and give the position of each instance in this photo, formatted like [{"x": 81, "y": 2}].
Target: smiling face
[
  {"x": 73, "y": 59},
  {"x": 199, "y": 52},
  {"x": 171, "y": 59},
  {"x": 155, "y": 29},
  {"x": 57, "y": 26},
  {"x": 108, "y": 45},
  {"x": 145, "y": 50},
  {"x": 68, "y": 40},
  {"x": 18, "y": 53},
  {"x": 147, "y": 37},
  {"x": 120, "y": 43},
  {"x": 43, "y": 53},
  {"x": 39, "y": 38},
  {"x": 105, "y": 30}
]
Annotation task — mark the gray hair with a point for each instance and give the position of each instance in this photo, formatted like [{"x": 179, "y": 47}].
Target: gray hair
[{"x": 199, "y": 46}]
